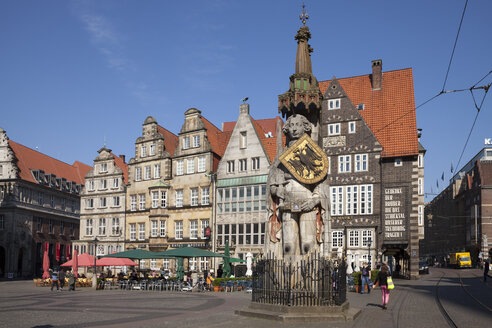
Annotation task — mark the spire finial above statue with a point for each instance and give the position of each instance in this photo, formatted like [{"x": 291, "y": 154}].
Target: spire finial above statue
[{"x": 303, "y": 16}]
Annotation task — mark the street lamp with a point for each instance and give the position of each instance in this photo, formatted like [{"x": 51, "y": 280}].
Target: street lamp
[
  {"x": 94, "y": 278},
  {"x": 369, "y": 242}
]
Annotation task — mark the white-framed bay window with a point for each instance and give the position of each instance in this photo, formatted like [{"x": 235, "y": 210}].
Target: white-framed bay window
[
  {"x": 336, "y": 239},
  {"x": 351, "y": 200}
]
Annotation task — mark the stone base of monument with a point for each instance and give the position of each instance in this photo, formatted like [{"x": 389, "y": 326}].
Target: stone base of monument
[{"x": 300, "y": 313}]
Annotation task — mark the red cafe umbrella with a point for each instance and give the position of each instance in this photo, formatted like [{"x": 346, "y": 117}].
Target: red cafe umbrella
[
  {"x": 113, "y": 261},
  {"x": 46, "y": 264},
  {"x": 83, "y": 260},
  {"x": 75, "y": 265}
]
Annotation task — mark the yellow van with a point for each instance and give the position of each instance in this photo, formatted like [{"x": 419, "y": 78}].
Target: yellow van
[{"x": 460, "y": 260}]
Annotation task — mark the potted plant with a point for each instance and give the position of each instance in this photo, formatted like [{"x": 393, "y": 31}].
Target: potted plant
[
  {"x": 216, "y": 284},
  {"x": 357, "y": 281}
]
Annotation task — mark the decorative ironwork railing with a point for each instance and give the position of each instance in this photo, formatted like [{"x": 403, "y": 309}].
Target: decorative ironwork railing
[{"x": 315, "y": 281}]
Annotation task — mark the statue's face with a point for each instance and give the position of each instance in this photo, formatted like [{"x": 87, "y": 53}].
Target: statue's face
[{"x": 296, "y": 128}]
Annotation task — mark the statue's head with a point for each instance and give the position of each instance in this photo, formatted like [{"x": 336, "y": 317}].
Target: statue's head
[{"x": 295, "y": 126}]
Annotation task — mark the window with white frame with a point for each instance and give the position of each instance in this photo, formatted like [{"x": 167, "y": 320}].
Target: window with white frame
[
  {"x": 143, "y": 151},
  {"x": 163, "y": 228},
  {"x": 351, "y": 199},
  {"x": 336, "y": 200},
  {"x": 203, "y": 263},
  {"x": 334, "y": 104},
  {"x": 91, "y": 185},
  {"x": 141, "y": 231},
  {"x": 116, "y": 182},
  {"x": 116, "y": 201},
  {"x": 205, "y": 223},
  {"x": 102, "y": 202},
  {"x": 243, "y": 165},
  {"x": 115, "y": 226},
  {"x": 154, "y": 228},
  {"x": 354, "y": 238},
  {"x": 88, "y": 227},
  {"x": 166, "y": 264},
  {"x": 103, "y": 167},
  {"x": 193, "y": 261},
  {"x": 421, "y": 215},
  {"x": 243, "y": 141},
  {"x": 358, "y": 200},
  {"x": 147, "y": 172},
  {"x": 102, "y": 226},
  {"x": 193, "y": 229},
  {"x": 205, "y": 195},
  {"x": 133, "y": 231},
  {"x": 398, "y": 162},
  {"x": 196, "y": 141},
  {"x": 421, "y": 160},
  {"x": 179, "y": 167},
  {"x": 133, "y": 202},
  {"x": 186, "y": 142},
  {"x": 141, "y": 202},
  {"x": 201, "y": 164},
  {"x": 190, "y": 165},
  {"x": 103, "y": 184},
  {"x": 178, "y": 229},
  {"x": 163, "y": 199},
  {"x": 334, "y": 129},
  {"x": 153, "y": 264},
  {"x": 230, "y": 166},
  {"x": 360, "y": 162},
  {"x": 142, "y": 264},
  {"x": 157, "y": 171},
  {"x": 1, "y": 170},
  {"x": 194, "y": 196},
  {"x": 155, "y": 199},
  {"x": 351, "y": 127},
  {"x": 179, "y": 198},
  {"x": 89, "y": 203},
  {"x": 336, "y": 239},
  {"x": 366, "y": 237},
  {"x": 344, "y": 164},
  {"x": 152, "y": 150},
  {"x": 421, "y": 186},
  {"x": 255, "y": 163},
  {"x": 138, "y": 173}
]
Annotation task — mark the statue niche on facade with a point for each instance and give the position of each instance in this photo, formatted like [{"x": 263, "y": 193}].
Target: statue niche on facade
[{"x": 298, "y": 194}]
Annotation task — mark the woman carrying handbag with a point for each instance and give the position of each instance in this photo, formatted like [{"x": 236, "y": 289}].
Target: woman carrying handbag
[{"x": 384, "y": 280}]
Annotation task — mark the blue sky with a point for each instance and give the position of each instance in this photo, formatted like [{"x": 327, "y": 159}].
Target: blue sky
[{"x": 76, "y": 73}]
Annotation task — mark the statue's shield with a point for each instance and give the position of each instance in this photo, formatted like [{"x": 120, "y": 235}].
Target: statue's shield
[{"x": 305, "y": 161}]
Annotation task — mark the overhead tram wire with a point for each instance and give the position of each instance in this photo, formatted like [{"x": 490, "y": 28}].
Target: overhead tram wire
[{"x": 454, "y": 47}]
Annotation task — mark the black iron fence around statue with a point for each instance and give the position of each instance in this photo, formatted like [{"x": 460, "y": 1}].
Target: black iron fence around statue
[{"x": 315, "y": 281}]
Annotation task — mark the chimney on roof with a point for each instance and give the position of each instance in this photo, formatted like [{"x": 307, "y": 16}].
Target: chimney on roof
[
  {"x": 122, "y": 158},
  {"x": 244, "y": 109},
  {"x": 377, "y": 74}
]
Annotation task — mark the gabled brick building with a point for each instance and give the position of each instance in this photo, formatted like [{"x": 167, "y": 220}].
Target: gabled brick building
[{"x": 39, "y": 208}]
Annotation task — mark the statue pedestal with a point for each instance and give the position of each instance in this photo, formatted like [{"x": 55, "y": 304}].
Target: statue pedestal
[{"x": 300, "y": 313}]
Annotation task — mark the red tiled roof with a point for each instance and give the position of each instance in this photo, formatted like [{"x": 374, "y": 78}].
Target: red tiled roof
[
  {"x": 389, "y": 112},
  {"x": 269, "y": 143},
  {"x": 30, "y": 159},
  {"x": 218, "y": 140},
  {"x": 122, "y": 165},
  {"x": 170, "y": 139},
  {"x": 267, "y": 124}
]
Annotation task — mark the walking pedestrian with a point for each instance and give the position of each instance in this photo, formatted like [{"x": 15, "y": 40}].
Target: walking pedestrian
[
  {"x": 366, "y": 277},
  {"x": 382, "y": 280},
  {"x": 61, "y": 279},
  {"x": 54, "y": 280},
  {"x": 71, "y": 281},
  {"x": 485, "y": 270}
]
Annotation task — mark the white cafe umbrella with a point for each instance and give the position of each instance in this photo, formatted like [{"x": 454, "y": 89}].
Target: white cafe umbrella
[
  {"x": 349, "y": 263},
  {"x": 340, "y": 252},
  {"x": 357, "y": 264},
  {"x": 249, "y": 260}
]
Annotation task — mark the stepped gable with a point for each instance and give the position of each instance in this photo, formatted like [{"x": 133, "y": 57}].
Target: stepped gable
[
  {"x": 29, "y": 159},
  {"x": 218, "y": 140},
  {"x": 122, "y": 165},
  {"x": 170, "y": 139},
  {"x": 389, "y": 111}
]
